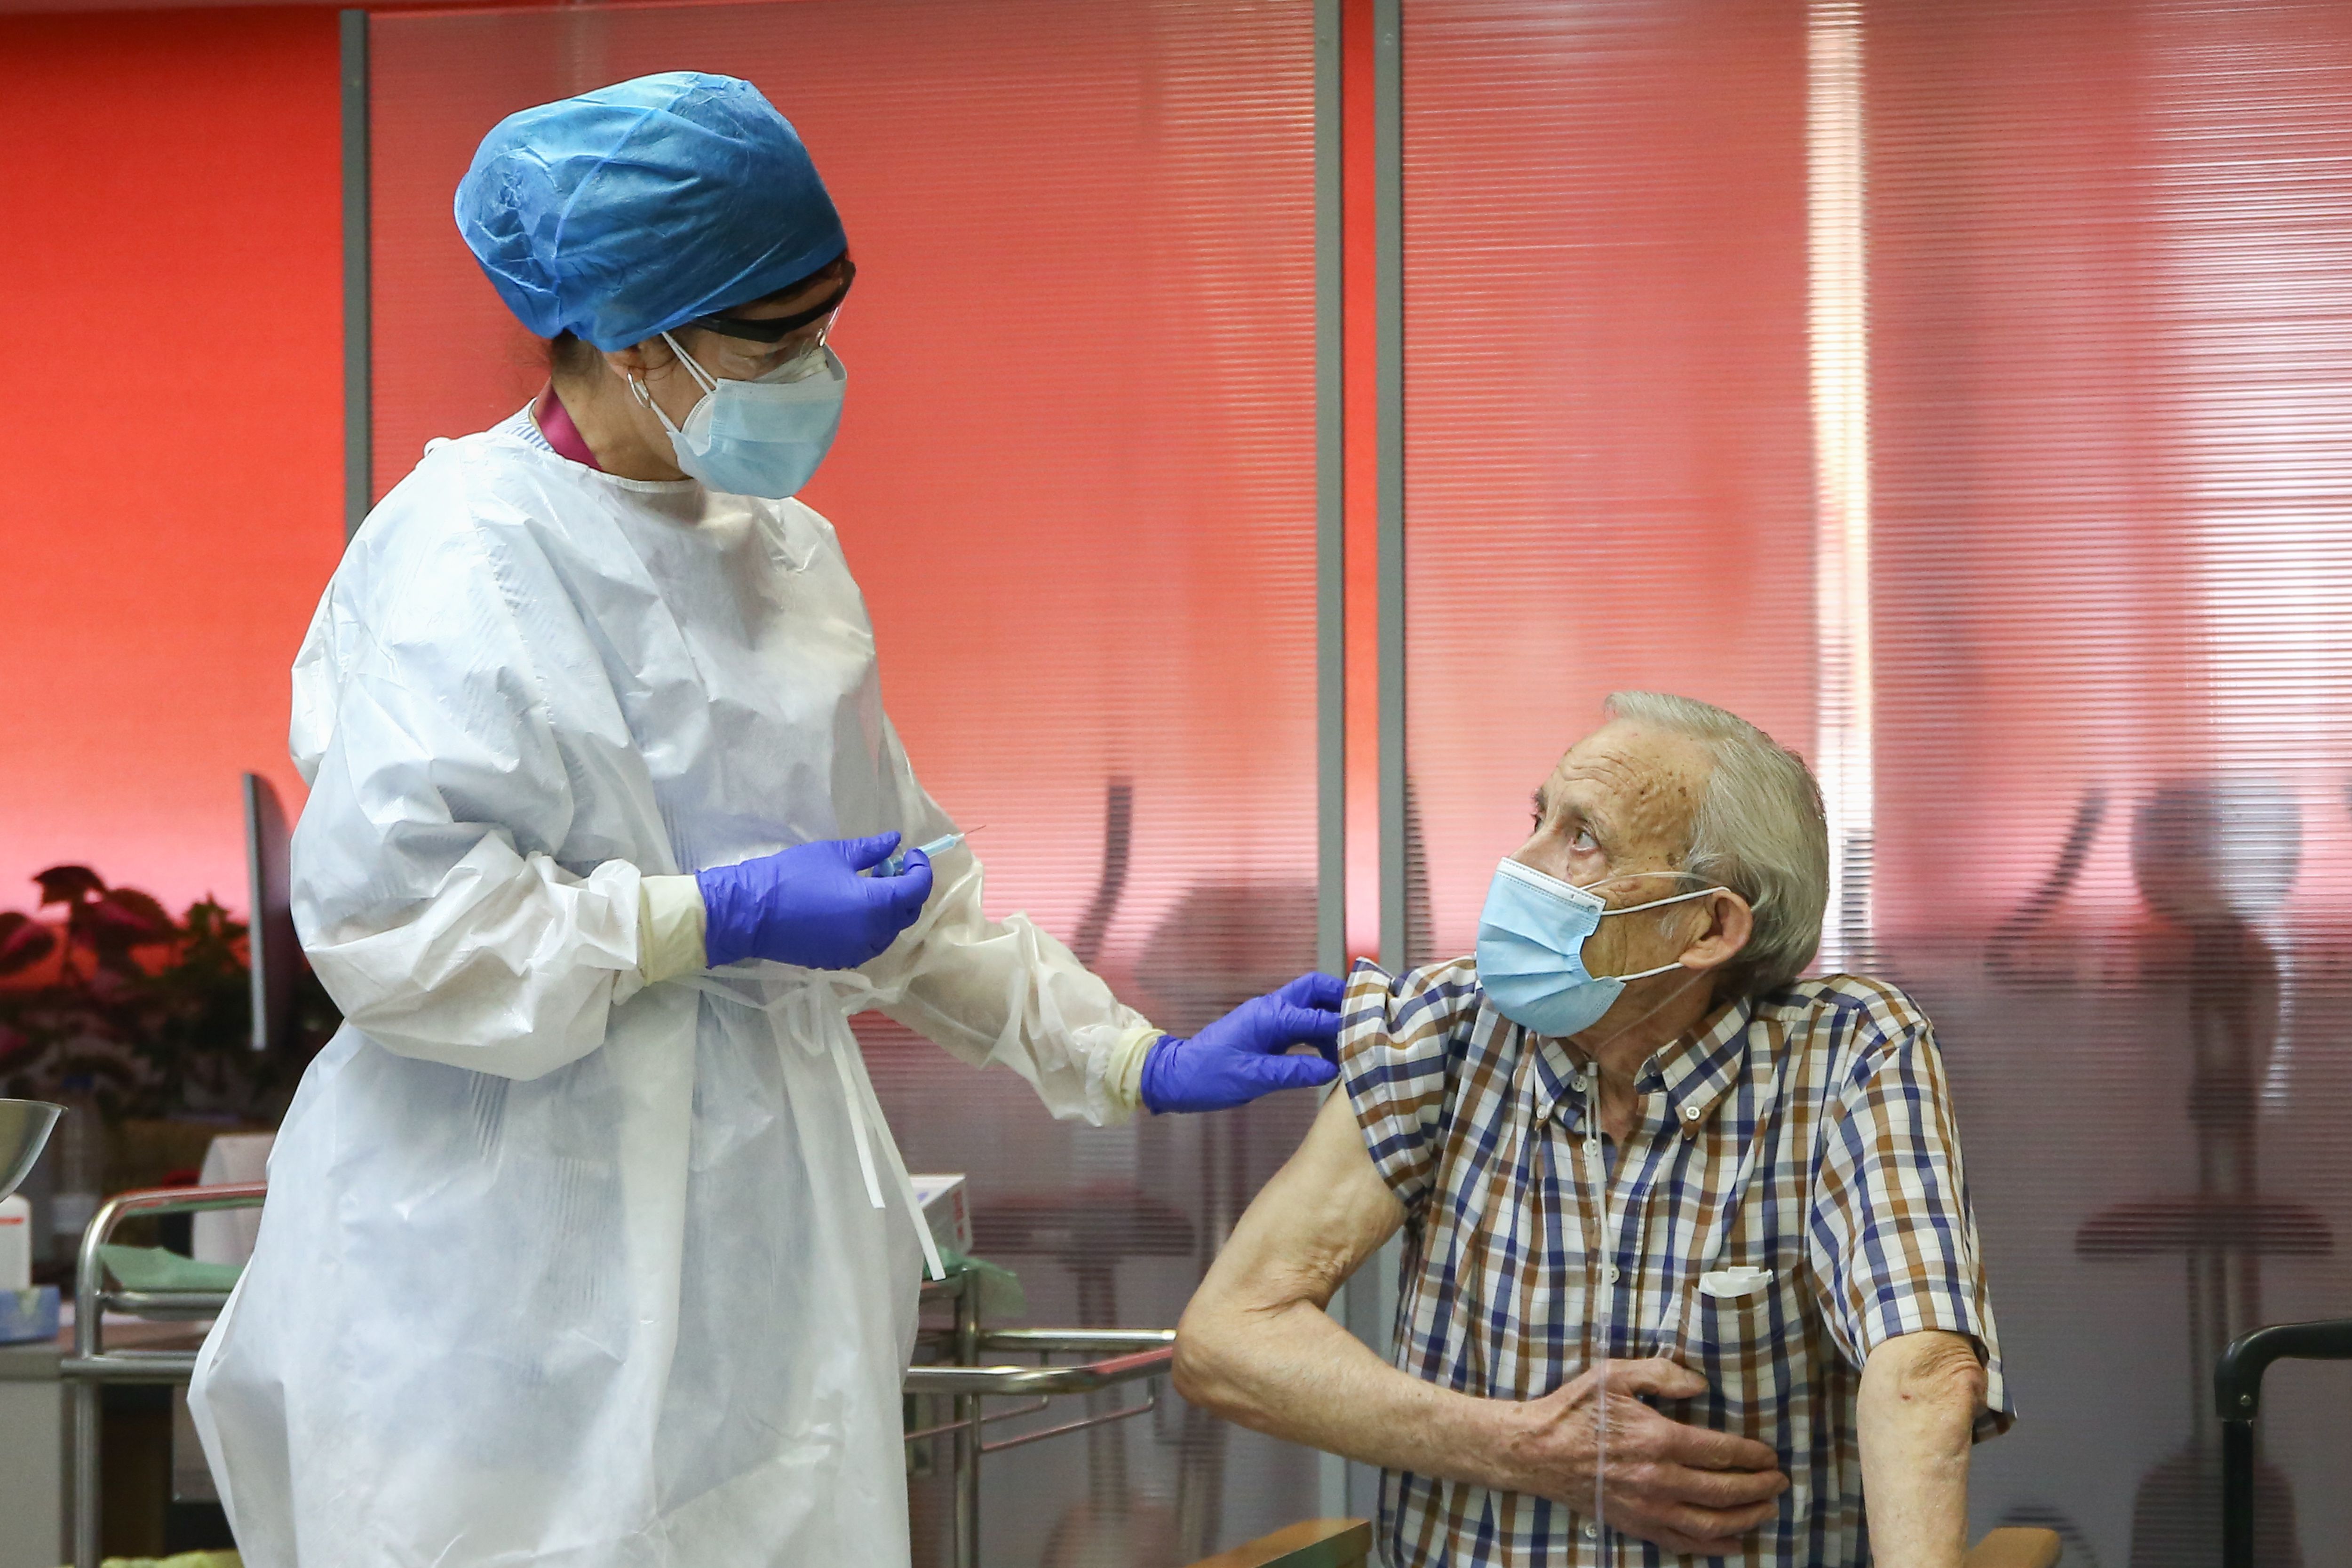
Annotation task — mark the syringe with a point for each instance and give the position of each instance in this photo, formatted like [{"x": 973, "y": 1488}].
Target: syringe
[{"x": 897, "y": 864}]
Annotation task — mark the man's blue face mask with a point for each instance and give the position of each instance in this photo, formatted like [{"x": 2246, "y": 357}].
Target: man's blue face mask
[{"x": 1531, "y": 949}]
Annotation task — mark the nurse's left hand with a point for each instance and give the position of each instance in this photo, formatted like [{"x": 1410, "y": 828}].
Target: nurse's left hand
[
  {"x": 809, "y": 905},
  {"x": 1246, "y": 1053}
]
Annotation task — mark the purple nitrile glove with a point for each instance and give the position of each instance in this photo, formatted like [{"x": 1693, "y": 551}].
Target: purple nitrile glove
[
  {"x": 808, "y": 905},
  {"x": 1245, "y": 1054}
]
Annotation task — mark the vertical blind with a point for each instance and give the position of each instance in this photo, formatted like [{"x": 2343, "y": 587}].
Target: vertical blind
[
  {"x": 1075, "y": 478},
  {"x": 1958, "y": 392}
]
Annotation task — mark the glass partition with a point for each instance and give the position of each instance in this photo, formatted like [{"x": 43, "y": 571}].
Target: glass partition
[
  {"x": 2111, "y": 267},
  {"x": 1958, "y": 391},
  {"x": 1607, "y": 481}
]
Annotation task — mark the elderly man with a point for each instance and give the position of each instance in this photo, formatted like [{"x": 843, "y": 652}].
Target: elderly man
[{"x": 1745, "y": 1185}]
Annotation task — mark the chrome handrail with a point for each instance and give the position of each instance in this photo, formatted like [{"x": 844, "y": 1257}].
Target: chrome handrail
[
  {"x": 1087, "y": 1378},
  {"x": 93, "y": 1365},
  {"x": 1080, "y": 1341}
]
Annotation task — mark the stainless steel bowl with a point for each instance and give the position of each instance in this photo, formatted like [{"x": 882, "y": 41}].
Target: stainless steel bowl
[{"x": 24, "y": 1127}]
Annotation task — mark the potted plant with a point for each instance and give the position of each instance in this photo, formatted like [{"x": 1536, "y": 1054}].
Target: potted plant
[{"x": 109, "y": 1001}]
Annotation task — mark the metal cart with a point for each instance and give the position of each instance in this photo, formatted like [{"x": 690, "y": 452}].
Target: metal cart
[{"x": 953, "y": 1376}]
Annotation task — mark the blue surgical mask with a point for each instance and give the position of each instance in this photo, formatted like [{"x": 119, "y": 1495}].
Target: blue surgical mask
[
  {"x": 762, "y": 438},
  {"x": 1531, "y": 949}
]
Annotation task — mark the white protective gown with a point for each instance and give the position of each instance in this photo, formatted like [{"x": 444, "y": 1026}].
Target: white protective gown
[{"x": 558, "y": 1267}]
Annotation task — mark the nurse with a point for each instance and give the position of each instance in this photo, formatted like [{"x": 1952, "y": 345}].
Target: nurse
[{"x": 586, "y": 1244}]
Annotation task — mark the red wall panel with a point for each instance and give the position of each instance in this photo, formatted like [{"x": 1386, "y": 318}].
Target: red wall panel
[
  {"x": 1608, "y": 453},
  {"x": 1074, "y": 474},
  {"x": 172, "y": 437},
  {"x": 2108, "y": 245}
]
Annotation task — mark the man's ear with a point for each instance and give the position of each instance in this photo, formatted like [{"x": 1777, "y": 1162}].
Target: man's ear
[{"x": 1729, "y": 922}]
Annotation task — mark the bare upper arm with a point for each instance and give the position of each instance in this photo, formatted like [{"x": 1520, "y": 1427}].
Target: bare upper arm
[
  {"x": 1933, "y": 1364},
  {"x": 1312, "y": 1226}
]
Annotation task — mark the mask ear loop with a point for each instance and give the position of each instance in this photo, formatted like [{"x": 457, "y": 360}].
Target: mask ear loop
[
  {"x": 810, "y": 361},
  {"x": 1666, "y": 1000},
  {"x": 1660, "y": 903},
  {"x": 702, "y": 379}
]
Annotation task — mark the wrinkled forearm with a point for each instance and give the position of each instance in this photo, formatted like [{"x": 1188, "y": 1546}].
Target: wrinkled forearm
[
  {"x": 1257, "y": 1347},
  {"x": 1295, "y": 1374},
  {"x": 1920, "y": 1394}
]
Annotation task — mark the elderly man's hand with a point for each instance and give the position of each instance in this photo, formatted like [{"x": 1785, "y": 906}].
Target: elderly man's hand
[{"x": 1688, "y": 1489}]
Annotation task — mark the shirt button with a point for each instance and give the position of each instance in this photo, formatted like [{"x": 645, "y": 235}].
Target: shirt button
[
  {"x": 1591, "y": 1531},
  {"x": 1690, "y": 1113},
  {"x": 1611, "y": 1275}
]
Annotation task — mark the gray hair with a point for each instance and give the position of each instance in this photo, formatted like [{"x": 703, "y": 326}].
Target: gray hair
[{"x": 1759, "y": 831}]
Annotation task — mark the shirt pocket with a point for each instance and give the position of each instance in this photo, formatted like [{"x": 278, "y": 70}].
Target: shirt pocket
[{"x": 1742, "y": 1328}]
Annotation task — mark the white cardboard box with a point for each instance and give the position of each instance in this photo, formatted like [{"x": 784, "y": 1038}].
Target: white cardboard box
[{"x": 945, "y": 1206}]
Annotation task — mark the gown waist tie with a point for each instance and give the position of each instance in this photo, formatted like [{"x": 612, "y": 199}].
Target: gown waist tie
[{"x": 809, "y": 1009}]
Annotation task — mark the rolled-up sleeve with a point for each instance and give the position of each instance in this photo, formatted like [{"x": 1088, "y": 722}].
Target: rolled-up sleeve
[
  {"x": 1892, "y": 1235},
  {"x": 425, "y": 885},
  {"x": 1400, "y": 1046}
]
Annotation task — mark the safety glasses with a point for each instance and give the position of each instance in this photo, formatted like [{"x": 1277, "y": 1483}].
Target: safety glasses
[{"x": 776, "y": 329}]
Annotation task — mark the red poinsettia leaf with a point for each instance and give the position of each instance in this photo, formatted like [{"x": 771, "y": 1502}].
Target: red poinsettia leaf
[
  {"x": 16, "y": 960},
  {"x": 24, "y": 942},
  {"x": 126, "y": 914},
  {"x": 68, "y": 884}
]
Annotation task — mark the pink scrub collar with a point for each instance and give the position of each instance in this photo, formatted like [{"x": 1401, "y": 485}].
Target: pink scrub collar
[{"x": 555, "y": 423}]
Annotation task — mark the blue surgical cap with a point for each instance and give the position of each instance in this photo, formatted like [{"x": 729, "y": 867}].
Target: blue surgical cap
[{"x": 629, "y": 210}]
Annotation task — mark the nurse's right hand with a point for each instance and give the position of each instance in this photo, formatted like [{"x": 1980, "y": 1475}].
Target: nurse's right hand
[{"x": 808, "y": 905}]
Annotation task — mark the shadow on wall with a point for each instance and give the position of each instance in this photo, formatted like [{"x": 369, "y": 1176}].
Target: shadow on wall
[{"x": 2212, "y": 858}]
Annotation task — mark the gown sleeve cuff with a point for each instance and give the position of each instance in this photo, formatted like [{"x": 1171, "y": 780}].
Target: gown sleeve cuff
[
  {"x": 670, "y": 927},
  {"x": 1124, "y": 1078}
]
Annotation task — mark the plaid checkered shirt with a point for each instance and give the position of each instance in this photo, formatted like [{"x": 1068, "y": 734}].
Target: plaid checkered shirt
[{"x": 1808, "y": 1133}]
